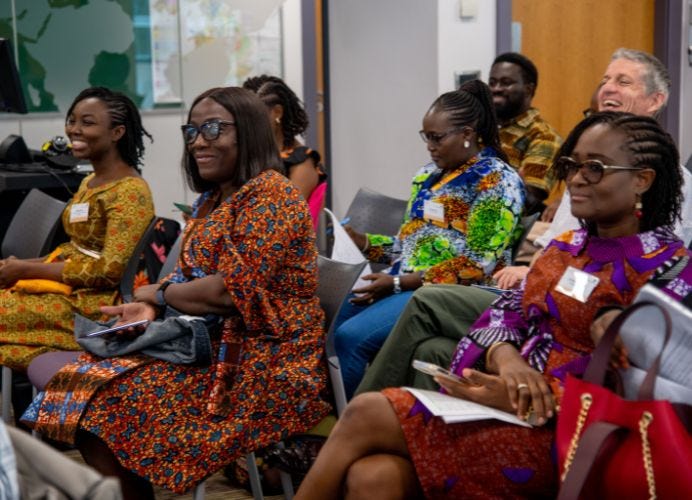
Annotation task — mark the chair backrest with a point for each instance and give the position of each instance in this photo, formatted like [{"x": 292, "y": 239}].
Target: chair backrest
[
  {"x": 526, "y": 223},
  {"x": 336, "y": 279},
  {"x": 166, "y": 231},
  {"x": 376, "y": 213},
  {"x": 30, "y": 233}
]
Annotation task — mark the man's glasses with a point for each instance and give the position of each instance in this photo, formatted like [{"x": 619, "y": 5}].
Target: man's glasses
[
  {"x": 591, "y": 170},
  {"x": 210, "y": 130},
  {"x": 433, "y": 138}
]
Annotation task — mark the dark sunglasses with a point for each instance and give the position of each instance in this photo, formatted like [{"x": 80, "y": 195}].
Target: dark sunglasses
[
  {"x": 210, "y": 130},
  {"x": 591, "y": 170}
]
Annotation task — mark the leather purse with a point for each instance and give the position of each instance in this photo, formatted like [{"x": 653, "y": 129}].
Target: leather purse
[{"x": 609, "y": 447}]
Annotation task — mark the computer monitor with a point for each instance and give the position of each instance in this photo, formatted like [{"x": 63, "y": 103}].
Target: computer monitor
[{"x": 11, "y": 96}]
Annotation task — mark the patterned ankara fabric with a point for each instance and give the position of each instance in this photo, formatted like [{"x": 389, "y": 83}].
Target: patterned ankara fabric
[
  {"x": 531, "y": 143},
  {"x": 31, "y": 324},
  {"x": 483, "y": 200},
  {"x": 489, "y": 459},
  {"x": 176, "y": 424}
]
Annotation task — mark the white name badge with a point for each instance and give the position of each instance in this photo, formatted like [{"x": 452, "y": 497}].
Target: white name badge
[
  {"x": 577, "y": 284},
  {"x": 79, "y": 212},
  {"x": 433, "y": 210}
]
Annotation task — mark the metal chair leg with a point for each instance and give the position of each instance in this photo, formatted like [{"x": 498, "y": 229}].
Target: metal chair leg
[
  {"x": 198, "y": 492},
  {"x": 286, "y": 483},
  {"x": 6, "y": 394},
  {"x": 253, "y": 474}
]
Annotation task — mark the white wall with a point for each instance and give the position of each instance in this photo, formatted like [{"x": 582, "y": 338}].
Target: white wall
[
  {"x": 383, "y": 77},
  {"x": 685, "y": 138},
  {"x": 466, "y": 44},
  {"x": 389, "y": 60}
]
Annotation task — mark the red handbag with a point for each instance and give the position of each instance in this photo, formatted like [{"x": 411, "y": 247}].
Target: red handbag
[{"x": 609, "y": 447}]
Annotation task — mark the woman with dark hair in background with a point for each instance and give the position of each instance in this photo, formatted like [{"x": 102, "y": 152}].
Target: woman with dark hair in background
[
  {"x": 624, "y": 181},
  {"x": 104, "y": 221},
  {"x": 248, "y": 256},
  {"x": 289, "y": 120},
  {"x": 458, "y": 226}
]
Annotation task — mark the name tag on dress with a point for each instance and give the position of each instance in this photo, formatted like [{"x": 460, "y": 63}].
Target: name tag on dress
[
  {"x": 79, "y": 212},
  {"x": 433, "y": 210},
  {"x": 577, "y": 284}
]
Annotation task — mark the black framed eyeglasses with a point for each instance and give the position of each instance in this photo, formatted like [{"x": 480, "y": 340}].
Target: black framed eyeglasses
[
  {"x": 210, "y": 130},
  {"x": 591, "y": 170},
  {"x": 432, "y": 137}
]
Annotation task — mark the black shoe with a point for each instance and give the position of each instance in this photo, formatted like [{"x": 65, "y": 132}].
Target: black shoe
[{"x": 298, "y": 455}]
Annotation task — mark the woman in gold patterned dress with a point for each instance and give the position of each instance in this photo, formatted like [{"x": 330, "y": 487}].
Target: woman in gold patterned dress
[{"x": 104, "y": 220}]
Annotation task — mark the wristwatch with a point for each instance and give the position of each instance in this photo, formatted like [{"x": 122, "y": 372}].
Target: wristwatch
[
  {"x": 397, "y": 284},
  {"x": 160, "y": 298}
]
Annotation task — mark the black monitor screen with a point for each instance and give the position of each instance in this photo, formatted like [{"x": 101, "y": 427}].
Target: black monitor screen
[{"x": 11, "y": 97}]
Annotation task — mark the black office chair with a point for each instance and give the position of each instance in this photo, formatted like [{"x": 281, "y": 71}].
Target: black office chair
[{"x": 30, "y": 234}]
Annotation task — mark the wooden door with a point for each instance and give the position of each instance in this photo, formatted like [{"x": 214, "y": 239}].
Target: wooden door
[{"x": 571, "y": 41}]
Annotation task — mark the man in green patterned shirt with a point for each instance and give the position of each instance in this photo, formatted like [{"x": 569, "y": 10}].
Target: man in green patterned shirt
[{"x": 527, "y": 139}]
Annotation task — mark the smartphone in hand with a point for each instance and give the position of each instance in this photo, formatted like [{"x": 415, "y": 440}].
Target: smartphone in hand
[
  {"x": 118, "y": 328},
  {"x": 436, "y": 371}
]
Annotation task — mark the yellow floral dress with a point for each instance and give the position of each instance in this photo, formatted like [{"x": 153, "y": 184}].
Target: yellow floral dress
[{"x": 95, "y": 258}]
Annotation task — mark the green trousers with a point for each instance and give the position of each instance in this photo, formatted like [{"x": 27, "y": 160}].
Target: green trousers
[{"x": 429, "y": 329}]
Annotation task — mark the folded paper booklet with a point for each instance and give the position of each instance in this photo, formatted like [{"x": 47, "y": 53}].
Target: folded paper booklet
[{"x": 453, "y": 410}]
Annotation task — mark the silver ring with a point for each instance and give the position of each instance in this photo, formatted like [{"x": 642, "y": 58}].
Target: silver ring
[{"x": 522, "y": 386}]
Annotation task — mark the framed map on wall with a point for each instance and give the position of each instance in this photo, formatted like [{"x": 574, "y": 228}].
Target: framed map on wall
[{"x": 158, "y": 52}]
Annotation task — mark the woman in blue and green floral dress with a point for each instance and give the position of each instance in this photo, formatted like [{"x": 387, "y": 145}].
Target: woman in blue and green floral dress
[{"x": 458, "y": 227}]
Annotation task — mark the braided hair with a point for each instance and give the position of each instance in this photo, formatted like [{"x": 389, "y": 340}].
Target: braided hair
[
  {"x": 122, "y": 111},
  {"x": 472, "y": 105},
  {"x": 650, "y": 147},
  {"x": 273, "y": 90}
]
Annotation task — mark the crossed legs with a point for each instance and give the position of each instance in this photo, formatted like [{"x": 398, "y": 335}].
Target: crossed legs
[{"x": 365, "y": 456}]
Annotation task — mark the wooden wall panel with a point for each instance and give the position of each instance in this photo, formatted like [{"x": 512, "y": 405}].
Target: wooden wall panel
[{"x": 571, "y": 42}]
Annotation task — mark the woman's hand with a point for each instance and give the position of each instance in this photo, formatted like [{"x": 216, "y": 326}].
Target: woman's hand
[
  {"x": 127, "y": 313},
  {"x": 618, "y": 356},
  {"x": 360, "y": 239},
  {"x": 527, "y": 390},
  {"x": 479, "y": 387},
  {"x": 381, "y": 285},
  {"x": 510, "y": 276},
  {"x": 11, "y": 270},
  {"x": 146, "y": 293}
]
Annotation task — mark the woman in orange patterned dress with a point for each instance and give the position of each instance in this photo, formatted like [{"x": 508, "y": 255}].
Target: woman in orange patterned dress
[
  {"x": 624, "y": 180},
  {"x": 248, "y": 256},
  {"x": 104, "y": 220}
]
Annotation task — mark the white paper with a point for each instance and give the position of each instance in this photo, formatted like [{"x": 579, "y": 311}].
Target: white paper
[
  {"x": 345, "y": 250},
  {"x": 453, "y": 410}
]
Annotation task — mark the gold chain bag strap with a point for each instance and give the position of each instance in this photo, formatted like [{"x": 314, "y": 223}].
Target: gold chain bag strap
[{"x": 612, "y": 448}]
